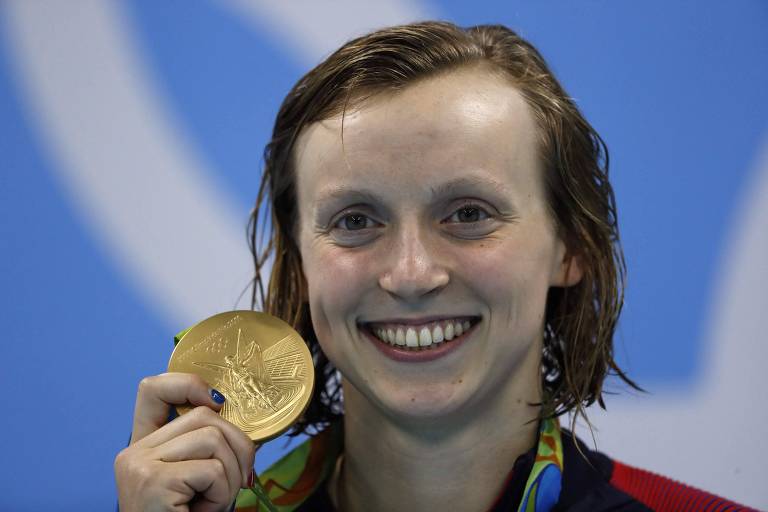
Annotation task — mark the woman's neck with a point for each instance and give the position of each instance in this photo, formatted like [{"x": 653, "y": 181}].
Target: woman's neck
[{"x": 460, "y": 464}]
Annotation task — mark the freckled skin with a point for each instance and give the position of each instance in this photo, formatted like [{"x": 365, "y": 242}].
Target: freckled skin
[
  {"x": 412, "y": 248},
  {"x": 402, "y": 146}
]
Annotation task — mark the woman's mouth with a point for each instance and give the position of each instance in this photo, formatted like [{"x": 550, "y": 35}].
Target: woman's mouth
[{"x": 410, "y": 338}]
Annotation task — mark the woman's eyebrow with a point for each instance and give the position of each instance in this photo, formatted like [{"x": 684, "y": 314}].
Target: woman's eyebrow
[
  {"x": 333, "y": 195},
  {"x": 329, "y": 198},
  {"x": 467, "y": 182}
]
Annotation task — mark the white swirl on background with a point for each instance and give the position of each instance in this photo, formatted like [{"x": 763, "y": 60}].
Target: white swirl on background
[
  {"x": 711, "y": 435},
  {"x": 156, "y": 207},
  {"x": 140, "y": 186},
  {"x": 312, "y": 29},
  {"x": 143, "y": 191}
]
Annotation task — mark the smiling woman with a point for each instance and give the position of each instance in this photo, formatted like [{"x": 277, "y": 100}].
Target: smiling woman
[
  {"x": 444, "y": 237},
  {"x": 455, "y": 230},
  {"x": 460, "y": 144}
]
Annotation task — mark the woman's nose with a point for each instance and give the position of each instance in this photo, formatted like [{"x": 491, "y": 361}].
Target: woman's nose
[{"x": 413, "y": 269}]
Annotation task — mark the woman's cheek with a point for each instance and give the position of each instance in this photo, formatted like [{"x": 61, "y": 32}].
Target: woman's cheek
[
  {"x": 510, "y": 277},
  {"x": 337, "y": 281},
  {"x": 343, "y": 276},
  {"x": 488, "y": 266}
]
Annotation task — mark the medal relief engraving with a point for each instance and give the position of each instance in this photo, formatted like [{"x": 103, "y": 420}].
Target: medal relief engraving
[
  {"x": 260, "y": 364},
  {"x": 215, "y": 342},
  {"x": 261, "y": 387}
]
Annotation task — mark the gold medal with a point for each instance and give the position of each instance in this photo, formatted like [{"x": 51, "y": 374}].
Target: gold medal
[{"x": 261, "y": 365}]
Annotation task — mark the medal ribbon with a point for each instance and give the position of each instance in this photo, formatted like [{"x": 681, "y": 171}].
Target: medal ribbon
[
  {"x": 542, "y": 489},
  {"x": 262, "y": 498},
  {"x": 292, "y": 479}
]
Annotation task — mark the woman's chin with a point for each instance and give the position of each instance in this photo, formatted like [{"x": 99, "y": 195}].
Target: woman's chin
[{"x": 426, "y": 402}]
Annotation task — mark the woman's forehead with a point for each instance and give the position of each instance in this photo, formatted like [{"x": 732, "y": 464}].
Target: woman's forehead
[
  {"x": 463, "y": 120},
  {"x": 455, "y": 104}
]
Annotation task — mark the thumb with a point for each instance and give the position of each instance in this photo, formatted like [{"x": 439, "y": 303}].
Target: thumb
[{"x": 158, "y": 394}]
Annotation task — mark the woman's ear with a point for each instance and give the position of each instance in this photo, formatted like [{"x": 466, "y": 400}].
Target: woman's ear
[{"x": 569, "y": 269}]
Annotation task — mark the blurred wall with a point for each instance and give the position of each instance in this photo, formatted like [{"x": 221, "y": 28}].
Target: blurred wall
[{"x": 130, "y": 143}]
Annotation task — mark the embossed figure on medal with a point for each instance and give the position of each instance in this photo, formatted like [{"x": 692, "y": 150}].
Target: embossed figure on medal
[
  {"x": 254, "y": 396},
  {"x": 260, "y": 364}
]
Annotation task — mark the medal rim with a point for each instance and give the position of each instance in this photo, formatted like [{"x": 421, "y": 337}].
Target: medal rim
[{"x": 250, "y": 316}]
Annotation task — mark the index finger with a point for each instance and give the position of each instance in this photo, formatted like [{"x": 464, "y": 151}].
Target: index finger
[{"x": 157, "y": 394}]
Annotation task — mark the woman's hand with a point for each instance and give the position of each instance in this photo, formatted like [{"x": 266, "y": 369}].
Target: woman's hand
[{"x": 197, "y": 462}]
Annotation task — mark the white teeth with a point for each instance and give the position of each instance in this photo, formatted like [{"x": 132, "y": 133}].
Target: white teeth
[
  {"x": 437, "y": 335},
  {"x": 400, "y": 337},
  {"x": 425, "y": 337},
  {"x": 410, "y": 338}
]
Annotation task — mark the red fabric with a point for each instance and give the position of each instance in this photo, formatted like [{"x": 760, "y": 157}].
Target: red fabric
[{"x": 664, "y": 495}]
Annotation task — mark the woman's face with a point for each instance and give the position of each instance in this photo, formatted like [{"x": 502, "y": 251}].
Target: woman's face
[{"x": 427, "y": 245}]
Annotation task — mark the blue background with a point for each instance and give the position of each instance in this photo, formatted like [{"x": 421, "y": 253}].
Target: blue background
[{"x": 678, "y": 91}]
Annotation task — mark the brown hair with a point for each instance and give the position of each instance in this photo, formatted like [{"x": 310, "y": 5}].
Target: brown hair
[{"x": 580, "y": 320}]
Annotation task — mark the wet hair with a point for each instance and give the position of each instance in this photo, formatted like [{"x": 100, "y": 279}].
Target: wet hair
[{"x": 580, "y": 320}]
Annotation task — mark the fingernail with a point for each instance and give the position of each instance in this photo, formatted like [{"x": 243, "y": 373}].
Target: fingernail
[
  {"x": 217, "y": 396},
  {"x": 251, "y": 478}
]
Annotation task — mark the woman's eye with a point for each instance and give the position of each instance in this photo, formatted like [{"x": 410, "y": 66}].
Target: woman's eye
[
  {"x": 469, "y": 213},
  {"x": 354, "y": 222}
]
